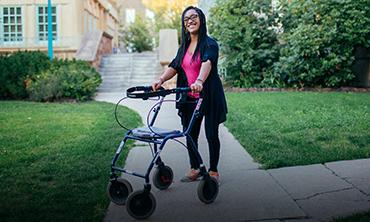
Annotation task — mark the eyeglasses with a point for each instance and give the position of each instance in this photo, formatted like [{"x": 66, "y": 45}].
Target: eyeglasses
[{"x": 192, "y": 18}]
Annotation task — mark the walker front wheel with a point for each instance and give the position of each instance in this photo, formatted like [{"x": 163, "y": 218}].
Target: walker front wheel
[
  {"x": 141, "y": 204},
  {"x": 118, "y": 190},
  {"x": 162, "y": 177},
  {"x": 208, "y": 190}
]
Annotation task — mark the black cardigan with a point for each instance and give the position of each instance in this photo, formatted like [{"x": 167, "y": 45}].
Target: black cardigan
[{"x": 214, "y": 102}]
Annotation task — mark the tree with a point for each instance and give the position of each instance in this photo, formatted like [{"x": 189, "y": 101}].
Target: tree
[
  {"x": 137, "y": 36},
  {"x": 319, "y": 40},
  {"x": 168, "y": 12},
  {"x": 245, "y": 31},
  {"x": 314, "y": 46}
]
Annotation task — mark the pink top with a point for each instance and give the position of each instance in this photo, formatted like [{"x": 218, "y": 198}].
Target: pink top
[{"x": 192, "y": 69}]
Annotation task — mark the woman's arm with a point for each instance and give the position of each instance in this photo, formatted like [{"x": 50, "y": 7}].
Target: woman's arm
[
  {"x": 205, "y": 69},
  {"x": 168, "y": 74}
]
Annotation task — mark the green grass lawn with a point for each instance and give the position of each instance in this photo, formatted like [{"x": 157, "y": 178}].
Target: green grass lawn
[
  {"x": 297, "y": 128},
  {"x": 55, "y": 159}
]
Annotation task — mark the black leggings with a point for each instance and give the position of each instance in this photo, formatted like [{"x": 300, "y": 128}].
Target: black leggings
[{"x": 213, "y": 140}]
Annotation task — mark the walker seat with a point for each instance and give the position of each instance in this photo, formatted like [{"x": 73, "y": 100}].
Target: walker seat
[{"x": 145, "y": 132}]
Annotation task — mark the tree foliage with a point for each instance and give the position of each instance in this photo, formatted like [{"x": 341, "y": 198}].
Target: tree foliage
[
  {"x": 299, "y": 43},
  {"x": 16, "y": 68},
  {"x": 73, "y": 79},
  {"x": 138, "y": 36},
  {"x": 168, "y": 13},
  {"x": 245, "y": 30},
  {"x": 319, "y": 41},
  {"x": 32, "y": 75}
]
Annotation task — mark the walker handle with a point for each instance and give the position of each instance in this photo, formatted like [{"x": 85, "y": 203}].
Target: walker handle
[{"x": 145, "y": 92}]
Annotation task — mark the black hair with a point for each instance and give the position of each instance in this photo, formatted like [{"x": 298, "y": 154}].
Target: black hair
[{"x": 185, "y": 35}]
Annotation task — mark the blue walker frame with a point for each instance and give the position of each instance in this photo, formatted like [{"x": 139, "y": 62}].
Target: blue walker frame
[{"x": 159, "y": 137}]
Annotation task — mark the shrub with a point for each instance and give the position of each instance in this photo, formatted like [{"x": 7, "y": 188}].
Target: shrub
[
  {"x": 245, "y": 31},
  {"x": 320, "y": 37},
  {"x": 16, "y": 68},
  {"x": 137, "y": 36},
  {"x": 45, "y": 87},
  {"x": 65, "y": 79},
  {"x": 314, "y": 46}
]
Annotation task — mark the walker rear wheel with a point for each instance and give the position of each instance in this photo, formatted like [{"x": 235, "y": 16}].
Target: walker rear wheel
[
  {"x": 208, "y": 189},
  {"x": 162, "y": 177},
  {"x": 118, "y": 190},
  {"x": 141, "y": 204}
]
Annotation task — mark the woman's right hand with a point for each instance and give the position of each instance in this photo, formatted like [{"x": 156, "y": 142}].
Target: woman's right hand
[{"x": 157, "y": 84}]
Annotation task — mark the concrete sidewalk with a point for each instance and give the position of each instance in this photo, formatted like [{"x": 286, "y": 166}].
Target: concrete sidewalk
[{"x": 247, "y": 193}]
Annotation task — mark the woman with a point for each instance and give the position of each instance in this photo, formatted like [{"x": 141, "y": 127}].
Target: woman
[{"x": 196, "y": 67}]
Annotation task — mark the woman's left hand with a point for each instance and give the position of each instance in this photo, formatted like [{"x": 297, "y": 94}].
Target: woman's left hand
[{"x": 196, "y": 87}]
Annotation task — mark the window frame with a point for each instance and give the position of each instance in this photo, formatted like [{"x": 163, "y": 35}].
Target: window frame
[
  {"x": 44, "y": 24},
  {"x": 15, "y": 24}
]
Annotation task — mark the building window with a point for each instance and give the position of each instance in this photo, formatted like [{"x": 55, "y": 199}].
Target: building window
[
  {"x": 12, "y": 24},
  {"x": 42, "y": 22},
  {"x": 130, "y": 16}
]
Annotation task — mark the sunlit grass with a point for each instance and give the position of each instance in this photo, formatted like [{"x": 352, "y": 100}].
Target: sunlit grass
[
  {"x": 298, "y": 128},
  {"x": 55, "y": 159}
]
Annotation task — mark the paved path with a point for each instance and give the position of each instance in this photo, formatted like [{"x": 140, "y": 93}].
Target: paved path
[{"x": 247, "y": 193}]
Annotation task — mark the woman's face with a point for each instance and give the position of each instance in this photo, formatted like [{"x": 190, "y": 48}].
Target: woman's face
[{"x": 191, "y": 21}]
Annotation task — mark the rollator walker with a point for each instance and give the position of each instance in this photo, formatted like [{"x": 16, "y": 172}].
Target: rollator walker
[{"x": 141, "y": 203}]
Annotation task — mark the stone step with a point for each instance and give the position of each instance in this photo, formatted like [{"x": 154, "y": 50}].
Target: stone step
[
  {"x": 133, "y": 54},
  {"x": 135, "y": 64},
  {"x": 128, "y": 58},
  {"x": 125, "y": 76},
  {"x": 114, "y": 84},
  {"x": 120, "y": 71},
  {"x": 114, "y": 90},
  {"x": 139, "y": 82},
  {"x": 108, "y": 59},
  {"x": 115, "y": 81},
  {"x": 131, "y": 75},
  {"x": 133, "y": 69},
  {"x": 128, "y": 63},
  {"x": 118, "y": 62},
  {"x": 127, "y": 81},
  {"x": 117, "y": 86},
  {"x": 107, "y": 69},
  {"x": 114, "y": 71},
  {"x": 115, "y": 74},
  {"x": 144, "y": 75},
  {"x": 123, "y": 81}
]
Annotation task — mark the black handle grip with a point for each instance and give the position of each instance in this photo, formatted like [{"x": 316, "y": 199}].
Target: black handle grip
[
  {"x": 182, "y": 90},
  {"x": 145, "y": 92}
]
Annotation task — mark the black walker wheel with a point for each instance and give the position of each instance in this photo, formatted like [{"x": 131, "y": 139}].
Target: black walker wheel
[
  {"x": 118, "y": 190},
  {"x": 162, "y": 177},
  {"x": 207, "y": 189},
  {"x": 140, "y": 204}
]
